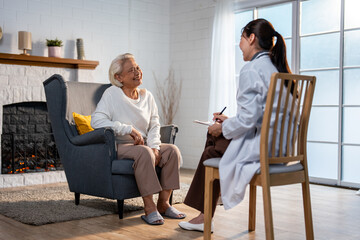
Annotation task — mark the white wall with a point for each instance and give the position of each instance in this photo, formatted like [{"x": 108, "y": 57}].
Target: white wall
[
  {"x": 108, "y": 28},
  {"x": 190, "y": 51}
]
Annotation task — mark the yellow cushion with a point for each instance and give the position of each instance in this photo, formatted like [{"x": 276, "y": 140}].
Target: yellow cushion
[{"x": 82, "y": 123}]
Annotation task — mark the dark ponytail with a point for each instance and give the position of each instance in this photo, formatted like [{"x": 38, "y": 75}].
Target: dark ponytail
[
  {"x": 278, "y": 54},
  {"x": 265, "y": 33}
]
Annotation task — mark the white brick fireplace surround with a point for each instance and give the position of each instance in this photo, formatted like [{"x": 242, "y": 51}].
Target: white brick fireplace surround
[{"x": 20, "y": 83}]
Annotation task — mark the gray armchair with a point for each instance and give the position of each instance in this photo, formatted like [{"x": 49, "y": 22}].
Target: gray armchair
[{"x": 90, "y": 161}]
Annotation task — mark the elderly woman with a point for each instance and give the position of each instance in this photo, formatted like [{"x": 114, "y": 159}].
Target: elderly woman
[{"x": 133, "y": 115}]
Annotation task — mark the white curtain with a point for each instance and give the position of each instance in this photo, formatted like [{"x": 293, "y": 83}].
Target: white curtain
[{"x": 223, "y": 86}]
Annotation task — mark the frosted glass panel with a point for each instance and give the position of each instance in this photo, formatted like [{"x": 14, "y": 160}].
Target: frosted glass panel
[
  {"x": 326, "y": 88},
  {"x": 320, "y": 16},
  {"x": 351, "y": 85},
  {"x": 352, "y": 16},
  {"x": 323, "y": 125},
  {"x": 322, "y": 160},
  {"x": 351, "y": 48},
  {"x": 351, "y": 127},
  {"x": 280, "y": 16},
  {"x": 351, "y": 164},
  {"x": 241, "y": 19},
  {"x": 315, "y": 51}
]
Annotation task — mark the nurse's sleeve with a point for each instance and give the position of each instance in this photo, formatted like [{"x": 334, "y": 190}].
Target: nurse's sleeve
[
  {"x": 249, "y": 105},
  {"x": 102, "y": 117}
]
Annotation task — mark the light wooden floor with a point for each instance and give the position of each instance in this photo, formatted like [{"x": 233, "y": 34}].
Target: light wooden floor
[{"x": 336, "y": 215}]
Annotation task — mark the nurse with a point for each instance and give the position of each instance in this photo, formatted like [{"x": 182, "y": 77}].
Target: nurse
[{"x": 237, "y": 139}]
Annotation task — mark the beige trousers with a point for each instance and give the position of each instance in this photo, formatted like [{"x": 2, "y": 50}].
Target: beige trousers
[{"x": 144, "y": 167}]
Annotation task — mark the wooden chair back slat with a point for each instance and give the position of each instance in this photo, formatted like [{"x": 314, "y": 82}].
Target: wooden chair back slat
[
  {"x": 291, "y": 124},
  {"x": 283, "y": 120},
  {"x": 277, "y": 118},
  {"x": 294, "y": 133}
]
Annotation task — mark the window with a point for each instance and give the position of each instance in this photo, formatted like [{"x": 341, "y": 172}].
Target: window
[{"x": 325, "y": 36}]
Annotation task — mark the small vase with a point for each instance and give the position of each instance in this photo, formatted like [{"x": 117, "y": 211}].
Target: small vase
[
  {"x": 54, "y": 51},
  {"x": 80, "y": 48}
]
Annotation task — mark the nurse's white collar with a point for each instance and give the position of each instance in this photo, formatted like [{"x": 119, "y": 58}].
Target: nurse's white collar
[{"x": 259, "y": 54}]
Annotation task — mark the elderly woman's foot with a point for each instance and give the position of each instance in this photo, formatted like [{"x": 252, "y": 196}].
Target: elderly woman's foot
[
  {"x": 169, "y": 211},
  {"x": 152, "y": 216}
]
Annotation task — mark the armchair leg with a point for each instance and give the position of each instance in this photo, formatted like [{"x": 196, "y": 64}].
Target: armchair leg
[
  {"x": 77, "y": 198},
  {"x": 120, "y": 204}
]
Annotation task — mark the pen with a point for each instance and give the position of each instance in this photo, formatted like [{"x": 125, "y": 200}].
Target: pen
[
  {"x": 222, "y": 111},
  {"x": 216, "y": 119}
]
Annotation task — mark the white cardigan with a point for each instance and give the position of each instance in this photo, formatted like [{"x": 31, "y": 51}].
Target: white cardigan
[{"x": 119, "y": 112}]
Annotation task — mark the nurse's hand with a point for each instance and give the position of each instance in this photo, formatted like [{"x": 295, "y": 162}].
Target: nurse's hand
[
  {"x": 219, "y": 117},
  {"x": 215, "y": 129}
]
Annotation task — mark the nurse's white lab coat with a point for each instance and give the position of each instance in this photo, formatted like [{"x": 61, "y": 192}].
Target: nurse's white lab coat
[{"x": 241, "y": 159}]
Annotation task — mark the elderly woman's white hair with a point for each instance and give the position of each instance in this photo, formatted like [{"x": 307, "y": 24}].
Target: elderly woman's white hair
[{"x": 116, "y": 68}]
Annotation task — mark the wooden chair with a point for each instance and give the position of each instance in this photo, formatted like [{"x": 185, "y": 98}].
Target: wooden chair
[{"x": 288, "y": 165}]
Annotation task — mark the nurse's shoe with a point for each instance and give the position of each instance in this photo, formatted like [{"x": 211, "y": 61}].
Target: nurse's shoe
[{"x": 194, "y": 227}]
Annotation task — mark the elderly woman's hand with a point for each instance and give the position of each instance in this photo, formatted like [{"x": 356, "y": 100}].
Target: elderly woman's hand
[
  {"x": 215, "y": 129},
  {"x": 136, "y": 135},
  {"x": 157, "y": 156}
]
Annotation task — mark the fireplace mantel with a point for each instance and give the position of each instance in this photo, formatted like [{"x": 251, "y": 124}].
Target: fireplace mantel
[{"x": 6, "y": 58}]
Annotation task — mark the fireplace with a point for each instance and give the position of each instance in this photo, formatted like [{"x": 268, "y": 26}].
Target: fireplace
[
  {"x": 24, "y": 84},
  {"x": 27, "y": 142}
]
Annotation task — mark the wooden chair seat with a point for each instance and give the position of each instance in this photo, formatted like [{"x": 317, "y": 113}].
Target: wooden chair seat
[{"x": 273, "y": 168}]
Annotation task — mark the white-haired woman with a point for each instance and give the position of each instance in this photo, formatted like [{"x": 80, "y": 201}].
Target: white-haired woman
[{"x": 133, "y": 115}]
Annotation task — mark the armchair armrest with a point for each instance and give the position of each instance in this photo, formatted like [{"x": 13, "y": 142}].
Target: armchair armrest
[
  {"x": 100, "y": 135},
  {"x": 168, "y": 133},
  {"x": 87, "y": 161}
]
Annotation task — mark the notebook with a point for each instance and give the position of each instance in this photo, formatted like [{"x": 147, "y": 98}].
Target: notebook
[{"x": 203, "y": 122}]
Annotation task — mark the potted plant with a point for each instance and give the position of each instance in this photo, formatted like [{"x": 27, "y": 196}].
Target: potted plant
[{"x": 54, "y": 47}]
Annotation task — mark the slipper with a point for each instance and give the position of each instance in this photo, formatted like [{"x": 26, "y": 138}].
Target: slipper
[
  {"x": 152, "y": 218},
  {"x": 173, "y": 213},
  {"x": 194, "y": 227}
]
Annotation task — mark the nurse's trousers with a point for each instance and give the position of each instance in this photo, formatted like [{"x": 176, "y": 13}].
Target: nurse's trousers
[{"x": 214, "y": 148}]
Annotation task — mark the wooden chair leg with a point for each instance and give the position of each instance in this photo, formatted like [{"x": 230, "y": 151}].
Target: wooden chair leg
[
  {"x": 77, "y": 198},
  {"x": 252, "y": 208},
  {"x": 120, "y": 204},
  {"x": 307, "y": 211},
  {"x": 269, "y": 226},
  {"x": 209, "y": 179}
]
